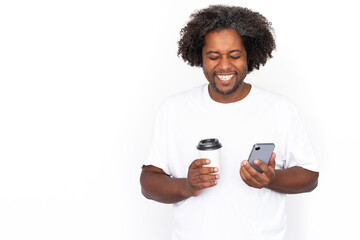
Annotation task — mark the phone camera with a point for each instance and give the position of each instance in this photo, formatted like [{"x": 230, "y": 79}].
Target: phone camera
[{"x": 257, "y": 148}]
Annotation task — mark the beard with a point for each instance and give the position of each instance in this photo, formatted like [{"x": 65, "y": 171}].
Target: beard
[{"x": 230, "y": 91}]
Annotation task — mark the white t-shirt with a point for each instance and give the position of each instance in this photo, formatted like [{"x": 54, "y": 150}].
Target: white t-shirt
[{"x": 231, "y": 209}]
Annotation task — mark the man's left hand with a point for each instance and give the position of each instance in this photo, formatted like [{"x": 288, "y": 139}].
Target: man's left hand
[{"x": 256, "y": 179}]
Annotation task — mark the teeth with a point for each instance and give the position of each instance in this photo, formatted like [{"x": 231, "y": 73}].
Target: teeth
[{"x": 225, "y": 77}]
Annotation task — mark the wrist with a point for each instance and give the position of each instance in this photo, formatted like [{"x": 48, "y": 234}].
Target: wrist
[
  {"x": 273, "y": 180},
  {"x": 185, "y": 190}
]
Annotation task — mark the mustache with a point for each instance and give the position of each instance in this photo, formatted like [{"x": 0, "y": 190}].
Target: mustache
[{"x": 224, "y": 72}]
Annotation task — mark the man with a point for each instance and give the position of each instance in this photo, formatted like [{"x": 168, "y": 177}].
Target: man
[{"x": 239, "y": 202}]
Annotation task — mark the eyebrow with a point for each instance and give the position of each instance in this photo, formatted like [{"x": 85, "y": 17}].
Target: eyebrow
[{"x": 216, "y": 52}]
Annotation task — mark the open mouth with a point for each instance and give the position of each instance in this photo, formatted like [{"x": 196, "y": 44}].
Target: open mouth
[{"x": 225, "y": 77}]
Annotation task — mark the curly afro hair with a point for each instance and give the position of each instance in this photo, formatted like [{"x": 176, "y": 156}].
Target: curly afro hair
[{"x": 255, "y": 30}]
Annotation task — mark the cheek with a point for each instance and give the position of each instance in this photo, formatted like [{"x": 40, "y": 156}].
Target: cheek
[
  {"x": 242, "y": 68},
  {"x": 207, "y": 73},
  {"x": 207, "y": 69}
]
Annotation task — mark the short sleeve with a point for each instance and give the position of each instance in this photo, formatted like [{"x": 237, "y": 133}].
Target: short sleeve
[
  {"x": 157, "y": 155},
  {"x": 299, "y": 151}
]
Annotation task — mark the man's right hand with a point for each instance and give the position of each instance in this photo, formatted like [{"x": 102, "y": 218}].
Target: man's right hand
[
  {"x": 158, "y": 186},
  {"x": 201, "y": 177}
]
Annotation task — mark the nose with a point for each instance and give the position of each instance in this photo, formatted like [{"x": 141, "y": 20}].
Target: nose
[{"x": 224, "y": 62}]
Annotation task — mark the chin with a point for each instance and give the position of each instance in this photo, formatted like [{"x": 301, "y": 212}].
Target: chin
[{"x": 226, "y": 91}]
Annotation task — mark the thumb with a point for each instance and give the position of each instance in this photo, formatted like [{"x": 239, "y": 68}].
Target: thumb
[{"x": 271, "y": 163}]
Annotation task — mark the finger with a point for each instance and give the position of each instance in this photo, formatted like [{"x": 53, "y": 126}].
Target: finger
[
  {"x": 196, "y": 178},
  {"x": 206, "y": 178},
  {"x": 247, "y": 177},
  {"x": 201, "y": 185},
  {"x": 271, "y": 163},
  {"x": 268, "y": 174},
  {"x": 250, "y": 169},
  {"x": 207, "y": 184},
  {"x": 243, "y": 163},
  {"x": 267, "y": 169},
  {"x": 208, "y": 170},
  {"x": 199, "y": 163},
  {"x": 261, "y": 165},
  {"x": 242, "y": 174},
  {"x": 259, "y": 177}
]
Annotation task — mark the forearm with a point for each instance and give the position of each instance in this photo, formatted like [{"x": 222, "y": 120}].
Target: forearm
[
  {"x": 162, "y": 188},
  {"x": 294, "y": 180}
]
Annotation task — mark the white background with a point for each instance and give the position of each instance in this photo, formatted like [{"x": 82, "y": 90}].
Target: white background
[{"x": 80, "y": 82}]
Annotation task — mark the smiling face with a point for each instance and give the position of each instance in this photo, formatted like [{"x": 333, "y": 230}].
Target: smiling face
[{"x": 225, "y": 65}]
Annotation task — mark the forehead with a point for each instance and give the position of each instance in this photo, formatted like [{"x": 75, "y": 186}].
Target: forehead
[{"x": 223, "y": 39}]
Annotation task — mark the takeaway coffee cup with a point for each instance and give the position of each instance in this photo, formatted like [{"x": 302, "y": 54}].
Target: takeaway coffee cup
[{"x": 210, "y": 148}]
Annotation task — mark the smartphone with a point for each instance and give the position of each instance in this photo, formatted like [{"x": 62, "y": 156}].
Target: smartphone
[{"x": 262, "y": 152}]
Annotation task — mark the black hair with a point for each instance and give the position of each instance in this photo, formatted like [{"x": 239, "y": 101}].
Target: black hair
[{"x": 254, "y": 29}]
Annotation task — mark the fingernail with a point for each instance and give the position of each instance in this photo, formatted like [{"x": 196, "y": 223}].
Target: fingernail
[
  {"x": 207, "y": 161},
  {"x": 216, "y": 169},
  {"x": 256, "y": 161},
  {"x": 244, "y": 163}
]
